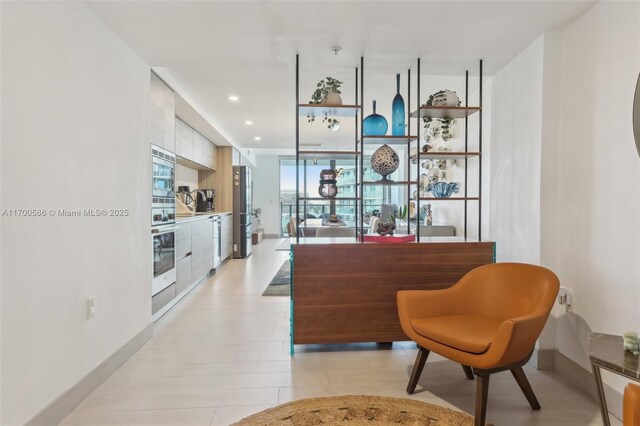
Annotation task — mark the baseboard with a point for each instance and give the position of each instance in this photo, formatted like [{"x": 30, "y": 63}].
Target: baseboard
[
  {"x": 273, "y": 236},
  {"x": 579, "y": 377},
  {"x": 543, "y": 359},
  {"x": 57, "y": 410}
]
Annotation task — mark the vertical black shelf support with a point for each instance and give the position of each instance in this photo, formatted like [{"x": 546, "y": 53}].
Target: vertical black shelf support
[
  {"x": 361, "y": 147},
  {"x": 418, "y": 150},
  {"x": 466, "y": 149},
  {"x": 359, "y": 217},
  {"x": 409, "y": 157},
  {"x": 480, "y": 160},
  {"x": 297, "y": 146}
]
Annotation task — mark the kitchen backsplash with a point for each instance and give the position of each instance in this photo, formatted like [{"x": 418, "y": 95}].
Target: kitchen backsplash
[{"x": 186, "y": 176}]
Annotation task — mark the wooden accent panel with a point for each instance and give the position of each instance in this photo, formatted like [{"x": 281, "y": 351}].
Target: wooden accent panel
[
  {"x": 221, "y": 179},
  {"x": 347, "y": 292}
]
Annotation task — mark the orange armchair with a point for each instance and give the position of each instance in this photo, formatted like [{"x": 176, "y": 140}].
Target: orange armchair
[
  {"x": 631, "y": 405},
  {"x": 488, "y": 321}
]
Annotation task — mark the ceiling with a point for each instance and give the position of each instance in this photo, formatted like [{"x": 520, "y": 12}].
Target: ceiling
[{"x": 213, "y": 49}]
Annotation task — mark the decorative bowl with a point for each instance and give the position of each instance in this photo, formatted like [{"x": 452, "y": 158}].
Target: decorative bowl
[{"x": 443, "y": 189}]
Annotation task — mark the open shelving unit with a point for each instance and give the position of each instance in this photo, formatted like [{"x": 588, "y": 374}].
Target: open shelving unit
[
  {"x": 361, "y": 142},
  {"x": 457, "y": 112}
]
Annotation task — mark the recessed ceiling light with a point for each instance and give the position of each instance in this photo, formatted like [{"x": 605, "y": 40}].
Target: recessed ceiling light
[
  {"x": 248, "y": 122},
  {"x": 233, "y": 98},
  {"x": 258, "y": 138}
]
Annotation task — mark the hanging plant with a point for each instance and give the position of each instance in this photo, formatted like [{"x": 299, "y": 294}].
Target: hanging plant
[
  {"x": 327, "y": 88},
  {"x": 446, "y": 124}
]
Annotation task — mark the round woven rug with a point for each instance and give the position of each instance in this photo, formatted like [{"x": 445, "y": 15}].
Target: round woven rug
[{"x": 357, "y": 410}]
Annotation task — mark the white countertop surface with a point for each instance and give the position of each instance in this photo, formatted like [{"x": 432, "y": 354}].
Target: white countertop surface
[{"x": 199, "y": 216}]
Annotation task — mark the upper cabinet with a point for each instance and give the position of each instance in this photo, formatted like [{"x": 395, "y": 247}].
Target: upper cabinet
[
  {"x": 184, "y": 139},
  {"x": 193, "y": 149},
  {"x": 162, "y": 115}
]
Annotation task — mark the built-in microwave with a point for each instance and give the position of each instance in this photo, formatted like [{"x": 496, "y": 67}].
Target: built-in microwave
[{"x": 163, "y": 203}]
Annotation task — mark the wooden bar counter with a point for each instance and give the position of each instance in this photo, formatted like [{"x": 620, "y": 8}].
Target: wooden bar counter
[{"x": 344, "y": 291}]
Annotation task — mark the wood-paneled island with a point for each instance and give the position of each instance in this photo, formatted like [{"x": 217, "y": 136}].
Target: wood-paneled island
[{"x": 344, "y": 291}]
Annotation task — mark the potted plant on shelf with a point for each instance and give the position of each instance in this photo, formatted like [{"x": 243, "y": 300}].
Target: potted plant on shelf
[
  {"x": 441, "y": 98},
  {"x": 399, "y": 219},
  {"x": 255, "y": 218},
  {"x": 327, "y": 93}
]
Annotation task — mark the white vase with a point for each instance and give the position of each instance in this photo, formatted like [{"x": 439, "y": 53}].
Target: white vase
[{"x": 332, "y": 98}]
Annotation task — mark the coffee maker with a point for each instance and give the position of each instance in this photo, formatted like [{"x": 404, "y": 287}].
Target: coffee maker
[{"x": 205, "y": 200}]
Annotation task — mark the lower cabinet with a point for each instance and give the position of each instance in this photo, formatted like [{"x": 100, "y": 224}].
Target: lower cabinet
[
  {"x": 201, "y": 248},
  {"x": 227, "y": 236},
  {"x": 194, "y": 249},
  {"x": 161, "y": 299},
  {"x": 183, "y": 274}
]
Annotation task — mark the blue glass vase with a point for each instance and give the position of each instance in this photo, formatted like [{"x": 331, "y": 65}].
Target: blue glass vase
[
  {"x": 375, "y": 124},
  {"x": 397, "y": 112}
]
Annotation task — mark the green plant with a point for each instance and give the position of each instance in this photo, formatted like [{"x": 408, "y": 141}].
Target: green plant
[
  {"x": 256, "y": 212},
  {"x": 323, "y": 88},
  {"x": 447, "y": 123},
  {"x": 400, "y": 214}
]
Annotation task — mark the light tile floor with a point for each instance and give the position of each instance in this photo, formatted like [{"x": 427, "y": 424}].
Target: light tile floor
[{"x": 223, "y": 354}]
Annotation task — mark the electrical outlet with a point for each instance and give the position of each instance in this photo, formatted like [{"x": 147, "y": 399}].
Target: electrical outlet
[
  {"x": 565, "y": 297},
  {"x": 91, "y": 307}
]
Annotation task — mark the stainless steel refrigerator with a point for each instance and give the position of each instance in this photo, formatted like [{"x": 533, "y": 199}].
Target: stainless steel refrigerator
[{"x": 242, "y": 205}]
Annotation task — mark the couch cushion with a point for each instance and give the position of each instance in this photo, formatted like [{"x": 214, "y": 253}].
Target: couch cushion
[{"x": 468, "y": 333}]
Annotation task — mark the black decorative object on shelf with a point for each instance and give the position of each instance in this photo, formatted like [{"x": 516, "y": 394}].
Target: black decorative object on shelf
[
  {"x": 328, "y": 183},
  {"x": 386, "y": 228},
  {"x": 328, "y": 188}
]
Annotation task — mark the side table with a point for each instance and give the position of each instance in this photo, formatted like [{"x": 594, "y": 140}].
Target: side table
[{"x": 606, "y": 352}]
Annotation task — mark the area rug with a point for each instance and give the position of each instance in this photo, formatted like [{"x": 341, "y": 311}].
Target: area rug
[
  {"x": 280, "y": 284},
  {"x": 357, "y": 410}
]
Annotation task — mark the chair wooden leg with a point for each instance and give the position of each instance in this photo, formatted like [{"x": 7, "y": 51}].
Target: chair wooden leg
[
  {"x": 421, "y": 359},
  {"x": 521, "y": 378},
  {"x": 482, "y": 393},
  {"x": 468, "y": 372}
]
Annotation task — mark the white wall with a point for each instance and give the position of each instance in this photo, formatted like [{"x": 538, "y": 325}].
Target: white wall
[
  {"x": 75, "y": 122},
  {"x": 515, "y": 156},
  {"x": 565, "y": 173},
  {"x": 266, "y": 191},
  {"x": 598, "y": 241}
]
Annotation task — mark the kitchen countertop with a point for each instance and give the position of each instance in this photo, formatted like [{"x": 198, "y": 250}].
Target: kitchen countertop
[{"x": 199, "y": 216}]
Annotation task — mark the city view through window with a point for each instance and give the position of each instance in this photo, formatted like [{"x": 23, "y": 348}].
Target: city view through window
[{"x": 374, "y": 195}]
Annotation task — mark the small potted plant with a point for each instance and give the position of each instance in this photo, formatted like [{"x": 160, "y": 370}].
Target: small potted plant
[
  {"x": 445, "y": 128},
  {"x": 255, "y": 218},
  {"x": 327, "y": 93}
]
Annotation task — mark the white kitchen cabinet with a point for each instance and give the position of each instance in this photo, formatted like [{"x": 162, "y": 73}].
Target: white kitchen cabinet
[
  {"x": 161, "y": 114},
  {"x": 201, "y": 248},
  {"x": 212, "y": 155},
  {"x": 183, "y": 240},
  {"x": 169, "y": 119},
  {"x": 194, "y": 150},
  {"x": 183, "y": 274},
  {"x": 156, "y": 112},
  {"x": 184, "y": 139},
  {"x": 199, "y": 148},
  {"x": 226, "y": 236}
]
